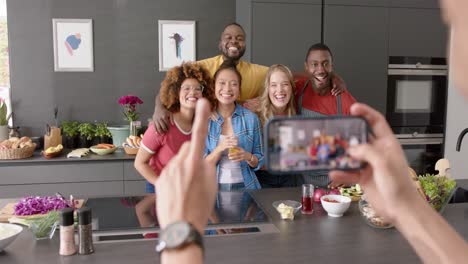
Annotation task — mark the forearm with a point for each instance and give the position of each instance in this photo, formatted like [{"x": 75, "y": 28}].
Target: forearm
[
  {"x": 434, "y": 240},
  {"x": 190, "y": 254},
  {"x": 146, "y": 171},
  {"x": 214, "y": 156},
  {"x": 157, "y": 103}
]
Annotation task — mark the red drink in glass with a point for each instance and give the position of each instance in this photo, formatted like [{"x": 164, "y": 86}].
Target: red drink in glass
[
  {"x": 307, "y": 202},
  {"x": 307, "y": 205}
]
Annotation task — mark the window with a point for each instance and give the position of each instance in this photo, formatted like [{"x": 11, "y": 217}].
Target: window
[{"x": 4, "y": 58}]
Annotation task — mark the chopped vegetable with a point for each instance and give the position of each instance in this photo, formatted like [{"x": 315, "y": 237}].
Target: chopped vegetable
[
  {"x": 41, "y": 226},
  {"x": 39, "y": 205},
  {"x": 437, "y": 189}
]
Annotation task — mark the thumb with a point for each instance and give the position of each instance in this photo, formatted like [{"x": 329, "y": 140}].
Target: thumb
[{"x": 364, "y": 152}]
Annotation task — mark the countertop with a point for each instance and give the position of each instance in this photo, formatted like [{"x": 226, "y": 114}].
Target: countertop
[
  {"x": 37, "y": 157},
  {"x": 315, "y": 238}
]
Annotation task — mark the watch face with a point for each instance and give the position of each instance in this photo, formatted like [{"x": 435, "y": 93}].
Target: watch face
[{"x": 175, "y": 234}]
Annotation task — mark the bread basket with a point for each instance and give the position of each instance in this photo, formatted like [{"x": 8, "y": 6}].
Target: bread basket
[
  {"x": 17, "y": 153},
  {"x": 130, "y": 151}
]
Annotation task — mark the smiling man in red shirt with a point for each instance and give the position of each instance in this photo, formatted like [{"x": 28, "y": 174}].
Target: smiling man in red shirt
[{"x": 313, "y": 91}]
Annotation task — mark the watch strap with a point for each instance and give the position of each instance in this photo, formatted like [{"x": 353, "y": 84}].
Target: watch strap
[{"x": 194, "y": 237}]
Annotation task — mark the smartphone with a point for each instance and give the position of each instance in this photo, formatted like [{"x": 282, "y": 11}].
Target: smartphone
[{"x": 303, "y": 144}]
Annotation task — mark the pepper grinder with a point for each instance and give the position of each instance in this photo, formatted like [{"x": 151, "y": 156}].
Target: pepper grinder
[
  {"x": 85, "y": 232},
  {"x": 67, "y": 233}
]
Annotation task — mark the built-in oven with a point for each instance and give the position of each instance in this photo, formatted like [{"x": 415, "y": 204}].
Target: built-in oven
[
  {"x": 422, "y": 151},
  {"x": 416, "y": 108},
  {"x": 417, "y": 92}
]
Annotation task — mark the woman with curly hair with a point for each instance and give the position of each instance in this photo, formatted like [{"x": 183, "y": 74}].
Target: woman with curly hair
[
  {"x": 180, "y": 90},
  {"x": 277, "y": 99}
]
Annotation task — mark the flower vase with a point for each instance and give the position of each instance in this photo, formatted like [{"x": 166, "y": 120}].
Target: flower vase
[{"x": 134, "y": 127}]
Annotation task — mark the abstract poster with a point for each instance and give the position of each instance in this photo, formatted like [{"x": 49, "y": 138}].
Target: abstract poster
[
  {"x": 176, "y": 43},
  {"x": 73, "y": 45}
]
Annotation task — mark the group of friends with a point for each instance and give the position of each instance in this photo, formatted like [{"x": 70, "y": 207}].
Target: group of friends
[{"x": 185, "y": 154}]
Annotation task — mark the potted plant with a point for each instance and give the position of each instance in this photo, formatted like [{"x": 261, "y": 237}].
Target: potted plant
[
  {"x": 101, "y": 134},
  {"x": 86, "y": 134},
  {"x": 70, "y": 134}
]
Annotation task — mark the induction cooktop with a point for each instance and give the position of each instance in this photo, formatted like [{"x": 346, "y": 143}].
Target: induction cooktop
[{"x": 134, "y": 217}]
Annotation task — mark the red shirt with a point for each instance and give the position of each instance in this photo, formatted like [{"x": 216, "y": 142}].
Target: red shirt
[
  {"x": 163, "y": 147},
  {"x": 324, "y": 104}
]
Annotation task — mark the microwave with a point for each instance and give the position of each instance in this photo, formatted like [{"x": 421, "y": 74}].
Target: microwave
[{"x": 417, "y": 93}]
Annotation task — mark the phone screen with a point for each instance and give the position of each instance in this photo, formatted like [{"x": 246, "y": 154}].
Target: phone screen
[{"x": 301, "y": 144}]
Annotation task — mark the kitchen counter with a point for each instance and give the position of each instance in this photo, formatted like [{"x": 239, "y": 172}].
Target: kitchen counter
[
  {"x": 314, "y": 238},
  {"x": 38, "y": 158}
]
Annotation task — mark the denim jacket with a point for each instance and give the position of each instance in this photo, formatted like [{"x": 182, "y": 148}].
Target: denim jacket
[{"x": 246, "y": 126}]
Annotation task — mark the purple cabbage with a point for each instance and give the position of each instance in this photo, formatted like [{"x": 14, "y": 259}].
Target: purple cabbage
[{"x": 39, "y": 205}]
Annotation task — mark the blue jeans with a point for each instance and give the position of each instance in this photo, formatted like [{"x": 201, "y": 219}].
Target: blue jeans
[
  {"x": 149, "y": 188},
  {"x": 231, "y": 186}
]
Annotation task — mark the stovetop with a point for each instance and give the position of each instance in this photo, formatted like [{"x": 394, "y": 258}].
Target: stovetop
[{"x": 128, "y": 213}]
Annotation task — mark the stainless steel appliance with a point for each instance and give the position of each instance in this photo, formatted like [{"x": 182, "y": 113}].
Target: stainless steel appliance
[
  {"x": 416, "y": 108},
  {"x": 422, "y": 150},
  {"x": 118, "y": 219}
]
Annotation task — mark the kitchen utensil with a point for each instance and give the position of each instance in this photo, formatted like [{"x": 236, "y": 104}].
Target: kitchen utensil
[
  {"x": 52, "y": 138},
  {"x": 12, "y": 230}
]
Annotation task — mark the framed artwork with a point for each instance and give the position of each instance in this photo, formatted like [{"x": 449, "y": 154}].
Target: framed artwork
[
  {"x": 176, "y": 43},
  {"x": 73, "y": 45}
]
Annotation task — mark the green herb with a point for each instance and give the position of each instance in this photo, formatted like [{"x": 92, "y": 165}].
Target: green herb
[
  {"x": 86, "y": 130},
  {"x": 101, "y": 130},
  {"x": 70, "y": 128},
  {"x": 437, "y": 189}
]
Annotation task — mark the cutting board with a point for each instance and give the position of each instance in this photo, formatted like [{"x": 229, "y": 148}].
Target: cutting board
[{"x": 9, "y": 211}]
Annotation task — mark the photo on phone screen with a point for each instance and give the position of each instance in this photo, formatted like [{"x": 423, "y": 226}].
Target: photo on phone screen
[{"x": 301, "y": 144}]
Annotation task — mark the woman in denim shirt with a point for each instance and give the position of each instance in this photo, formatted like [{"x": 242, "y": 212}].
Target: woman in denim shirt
[{"x": 234, "y": 138}]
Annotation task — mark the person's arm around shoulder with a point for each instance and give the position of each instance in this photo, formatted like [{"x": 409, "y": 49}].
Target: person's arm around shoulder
[
  {"x": 187, "y": 189},
  {"x": 257, "y": 159},
  {"x": 392, "y": 193},
  {"x": 162, "y": 118}
]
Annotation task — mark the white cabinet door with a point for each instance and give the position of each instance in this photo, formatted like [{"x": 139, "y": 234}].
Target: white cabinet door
[{"x": 457, "y": 121}]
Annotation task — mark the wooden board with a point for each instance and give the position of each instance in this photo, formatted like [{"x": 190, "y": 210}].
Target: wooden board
[{"x": 9, "y": 211}]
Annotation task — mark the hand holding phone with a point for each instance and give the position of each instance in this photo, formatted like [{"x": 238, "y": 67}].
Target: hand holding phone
[{"x": 303, "y": 144}]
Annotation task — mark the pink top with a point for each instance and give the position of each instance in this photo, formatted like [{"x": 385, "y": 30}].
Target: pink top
[{"x": 163, "y": 146}]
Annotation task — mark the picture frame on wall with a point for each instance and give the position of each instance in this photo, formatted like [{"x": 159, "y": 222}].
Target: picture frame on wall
[
  {"x": 177, "y": 42},
  {"x": 73, "y": 45}
]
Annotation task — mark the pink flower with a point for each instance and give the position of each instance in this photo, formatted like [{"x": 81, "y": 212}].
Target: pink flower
[{"x": 129, "y": 103}]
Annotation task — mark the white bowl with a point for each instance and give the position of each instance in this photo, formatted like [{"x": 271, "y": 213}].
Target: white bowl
[
  {"x": 335, "y": 209},
  {"x": 12, "y": 230}
]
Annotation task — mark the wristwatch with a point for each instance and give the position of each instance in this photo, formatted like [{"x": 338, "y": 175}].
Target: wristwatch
[{"x": 178, "y": 235}]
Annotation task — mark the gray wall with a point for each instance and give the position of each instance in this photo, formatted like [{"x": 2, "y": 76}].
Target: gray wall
[{"x": 125, "y": 55}]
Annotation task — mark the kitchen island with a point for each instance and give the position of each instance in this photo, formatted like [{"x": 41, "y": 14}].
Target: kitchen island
[{"x": 315, "y": 238}]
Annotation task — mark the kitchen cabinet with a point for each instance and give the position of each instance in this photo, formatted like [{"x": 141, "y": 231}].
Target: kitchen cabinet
[
  {"x": 87, "y": 177},
  {"x": 383, "y": 3},
  {"x": 134, "y": 183},
  {"x": 282, "y": 32},
  {"x": 358, "y": 38},
  {"x": 417, "y": 32},
  {"x": 456, "y": 123},
  {"x": 415, "y": 3}
]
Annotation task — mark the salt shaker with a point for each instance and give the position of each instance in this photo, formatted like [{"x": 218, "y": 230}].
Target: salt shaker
[
  {"x": 85, "y": 232},
  {"x": 67, "y": 233}
]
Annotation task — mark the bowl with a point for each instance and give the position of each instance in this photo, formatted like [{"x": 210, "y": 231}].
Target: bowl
[
  {"x": 335, "y": 205},
  {"x": 102, "y": 151},
  {"x": 8, "y": 233},
  {"x": 371, "y": 217},
  {"x": 294, "y": 204}
]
